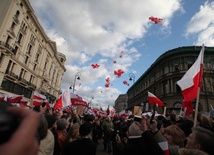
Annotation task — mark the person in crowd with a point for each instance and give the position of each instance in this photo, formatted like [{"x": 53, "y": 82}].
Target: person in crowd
[
  {"x": 156, "y": 127},
  {"x": 46, "y": 146},
  {"x": 58, "y": 113},
  {"x": 52, "y": 126},
  {"x": 108, "y": 128},
  {"x": 62, "y": 125},
  {"x": 140, "y": 141},
  {"x": 22, "y": 141},
  {"x": 201, "y": 139},
  {"x": 82, "y": 146},
  {"x": 185, "y": 151},
  {"x": 96, "y": 131},
  {"x": 73, "y": 133},
  {"x": 175, "y": 138},
  {"x": 192, "y": 117},
  {"x": 75, "y": 117},
  {"x": 116, "y": 132}
]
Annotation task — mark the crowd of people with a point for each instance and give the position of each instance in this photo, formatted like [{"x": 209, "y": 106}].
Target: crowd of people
[{"x": 43, "y": 131}]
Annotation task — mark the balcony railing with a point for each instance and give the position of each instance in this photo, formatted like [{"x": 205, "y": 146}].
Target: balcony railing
[
  {"x": 7, "y": 46},
  {"x": 23, "y": 81},
  {"x": 10, "y": 74},
  {"x": 31, "y": 85}
]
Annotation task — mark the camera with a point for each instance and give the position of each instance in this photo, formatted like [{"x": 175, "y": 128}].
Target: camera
[{"x": 137, "y": 118}]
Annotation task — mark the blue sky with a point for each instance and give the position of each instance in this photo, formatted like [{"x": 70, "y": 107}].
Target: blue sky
[{"x": 95, "y": 31}]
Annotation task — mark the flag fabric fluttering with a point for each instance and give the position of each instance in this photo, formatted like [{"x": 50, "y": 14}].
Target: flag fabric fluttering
[
  {"x": 188, "y": 107},
  {"x": 14, "y": 98},
  {"x": 192, "y": 79},
  {"x": 38, "y": 99},
  {"x": 152, "y": 99},
  {"x": 64, "y": 100}
]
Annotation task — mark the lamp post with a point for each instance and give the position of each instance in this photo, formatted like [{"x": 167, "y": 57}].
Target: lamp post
[
  {"x": 77, "y": 76},
  {"x": 132, "y": 77}
]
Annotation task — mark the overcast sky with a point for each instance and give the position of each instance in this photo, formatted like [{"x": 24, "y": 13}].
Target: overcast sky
[{"x": 96, "y": 31}]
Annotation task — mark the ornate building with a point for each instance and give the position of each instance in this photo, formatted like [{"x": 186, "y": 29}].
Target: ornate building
[
  {"x": 121, "y": 103},
  {"x": 29, "y": 60},
  {"x": 160, "y": 79}
]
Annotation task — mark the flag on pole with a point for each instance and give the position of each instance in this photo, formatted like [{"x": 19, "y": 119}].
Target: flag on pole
[
  {"x": 64, "y": 100},
  {"x": 152, "y": 99},
  {"x": 192, "y": 79}
]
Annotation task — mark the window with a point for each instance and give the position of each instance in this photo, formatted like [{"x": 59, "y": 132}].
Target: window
[
  {"x": 1, "y": 57},
  {"x": 13, "y": 26},
  {"x": 31, "y": 79},
  {"x": 20, "y": 38},
  {"x": 165, "y": 87},
  {"x": 17, "y": 14},
  {"x": 34, "y": 67},
  {"x": 15, "y": 50},
  {"x": 176, "y": 67},
  {"x": 8, "y": 40},
  {"x": 26, "y": 59},
  {"x": 29, "y": 47}
]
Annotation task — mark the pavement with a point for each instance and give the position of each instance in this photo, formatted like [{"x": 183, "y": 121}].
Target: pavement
[{"x": 100, "y": 149}]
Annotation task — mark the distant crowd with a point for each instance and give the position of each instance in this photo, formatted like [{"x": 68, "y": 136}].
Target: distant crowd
[{"x": 43, "y": 131}]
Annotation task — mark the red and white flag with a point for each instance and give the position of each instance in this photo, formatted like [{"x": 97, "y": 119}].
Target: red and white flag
[
  {"x": 38, "y": 99},
  {"x": 152, "y": 99},
  {"x": 3, "y": 97},
  {"x": 64, "y": 100},
  {"x": 188, "y": 107},
  {"x": 14, "y": 98},
  {"x": 192, "y": 79}
]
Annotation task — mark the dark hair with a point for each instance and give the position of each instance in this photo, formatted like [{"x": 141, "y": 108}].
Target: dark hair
[
  {"x": 204, "y": 137},
  {"x": 43, "y": 127}
]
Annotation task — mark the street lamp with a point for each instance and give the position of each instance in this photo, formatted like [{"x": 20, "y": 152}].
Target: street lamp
[
  {"x": 132, "y": 77},
  {"x": 77, "y": 76}
]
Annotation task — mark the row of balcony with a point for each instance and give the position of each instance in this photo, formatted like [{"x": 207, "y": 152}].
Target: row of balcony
[{"x": 13, "y": 76}]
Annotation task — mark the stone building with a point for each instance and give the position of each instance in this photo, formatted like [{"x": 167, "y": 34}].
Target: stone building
[
  {"x": 29, "y": 60},
  {"x": 161, "y": 77},
  {"x": 121, "y": 103}
]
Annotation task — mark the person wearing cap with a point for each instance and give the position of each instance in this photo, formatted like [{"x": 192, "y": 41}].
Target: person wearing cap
[{"x": 81, "y": 146}]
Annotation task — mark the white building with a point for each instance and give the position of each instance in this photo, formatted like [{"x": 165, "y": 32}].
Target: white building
[{"x": 29, "y": 60}]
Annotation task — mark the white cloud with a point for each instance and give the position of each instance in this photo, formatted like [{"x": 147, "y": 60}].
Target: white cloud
[
  {"x": 85, "y": 30},
  {"x": 202, "y": 25}
]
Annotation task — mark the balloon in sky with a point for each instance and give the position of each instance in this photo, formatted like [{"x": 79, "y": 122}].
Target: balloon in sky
[
  {"x": 121, "y": 54},
  {"x": 156, "y": 20},
  {"x": 95, "y": 66},
  {"x": 125, "y": 83},
  {"x": 118, "y": 72}
]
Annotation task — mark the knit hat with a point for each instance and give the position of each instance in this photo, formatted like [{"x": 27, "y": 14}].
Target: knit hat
[
  {"x": 85, "y": 129},
  {"x": 50, "y": 119},
  {"x": 134, "y": 130}
]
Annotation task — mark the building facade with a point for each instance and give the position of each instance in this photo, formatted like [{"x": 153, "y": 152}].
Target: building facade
[
  {"x": 121, "y": 103},
  {"x": 29, "y": 60},
  {"x": 160, "y": 79}
]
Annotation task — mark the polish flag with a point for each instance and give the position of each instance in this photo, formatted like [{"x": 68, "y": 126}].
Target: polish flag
[
  {"x": 3, "y": 97},
  {"x": 38, "y": 99},
  {"x": 14, "y": 98},
  {"x": 152, "y": 99},
  {"x": 192, "y": 79},
  {"x": 187, "y": 105},
  {"x": 64, "y": 100}
]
